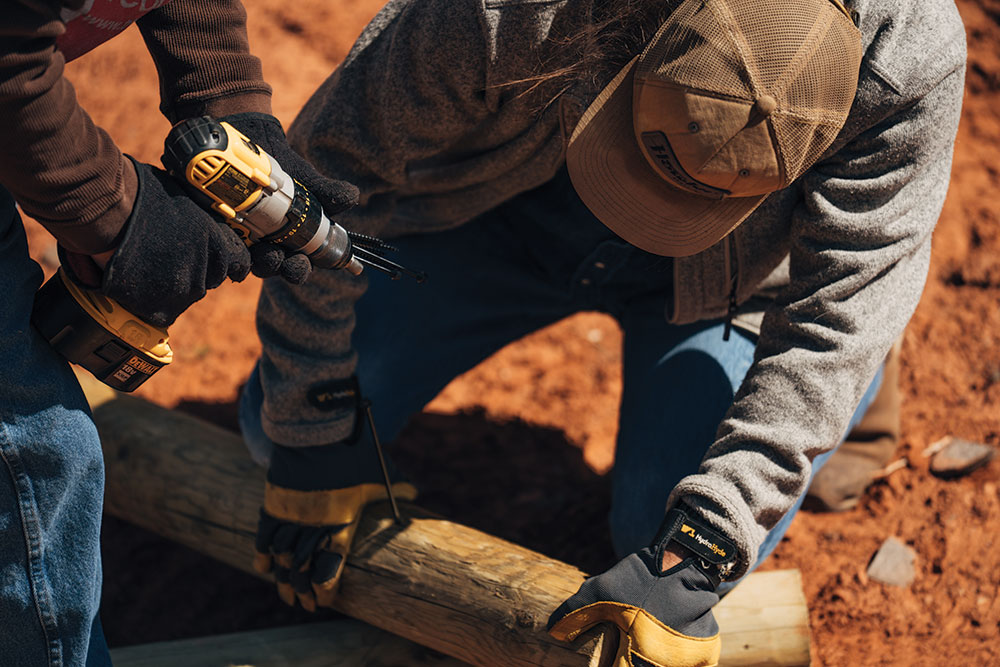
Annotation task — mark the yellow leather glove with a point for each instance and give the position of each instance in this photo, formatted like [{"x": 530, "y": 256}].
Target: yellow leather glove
[
  {"x": 664, "y": 618},
  {"x": 304, "y": 536},
  {"x": 313, "y": 499}
]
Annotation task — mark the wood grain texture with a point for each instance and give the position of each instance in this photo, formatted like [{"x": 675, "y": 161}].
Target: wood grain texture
[
  {"x": 765, "y": 621},
  {"x": 454, "y": 589}
]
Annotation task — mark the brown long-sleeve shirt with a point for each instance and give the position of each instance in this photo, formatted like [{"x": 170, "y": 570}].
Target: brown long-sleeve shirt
[{"x": 62, "y": 169}]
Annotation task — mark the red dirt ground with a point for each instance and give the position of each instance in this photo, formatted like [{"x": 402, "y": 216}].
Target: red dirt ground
[{"x": 544, "y": 410}]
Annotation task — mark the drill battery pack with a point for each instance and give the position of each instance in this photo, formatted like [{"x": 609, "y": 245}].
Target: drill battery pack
[{"x": 96, "y": 333}]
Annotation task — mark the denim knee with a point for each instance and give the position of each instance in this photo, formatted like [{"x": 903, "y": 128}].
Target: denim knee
[
  {"x": 257, "y": 442},
  {"x": 51, "y": 480},
  {"x": 50, "y": 518}
]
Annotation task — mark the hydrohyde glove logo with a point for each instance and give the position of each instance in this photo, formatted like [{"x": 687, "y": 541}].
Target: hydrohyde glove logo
[
  {"x": 705, "y": 542},
  {"x": 335, "y": 395},
  {"x": 690, "y": 530}
]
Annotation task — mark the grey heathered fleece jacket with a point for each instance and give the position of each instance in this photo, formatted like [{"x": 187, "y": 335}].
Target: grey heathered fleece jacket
[{"x": 422, "y": 117}]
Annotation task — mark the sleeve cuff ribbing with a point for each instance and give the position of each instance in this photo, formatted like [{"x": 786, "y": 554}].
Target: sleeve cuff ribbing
[{"x": 711, "y": 501}]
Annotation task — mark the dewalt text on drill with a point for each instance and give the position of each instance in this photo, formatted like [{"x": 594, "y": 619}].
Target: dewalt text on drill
[{"x": 226, "y": 172}]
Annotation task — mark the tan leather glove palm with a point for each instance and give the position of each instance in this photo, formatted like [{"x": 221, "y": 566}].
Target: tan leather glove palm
[
  {"x": 664, "y": 618},
  {"x": 304, "y": 537}
]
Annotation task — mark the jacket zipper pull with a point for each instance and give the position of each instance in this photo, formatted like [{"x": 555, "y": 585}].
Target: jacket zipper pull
[
  {"x": 734, "y": 279},
  {"x": 730, "y": 314}
]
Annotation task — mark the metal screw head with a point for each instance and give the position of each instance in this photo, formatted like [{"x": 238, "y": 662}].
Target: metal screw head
[
  {"x": 693, "y": 127},
  {"x": 744, "y": 172}
]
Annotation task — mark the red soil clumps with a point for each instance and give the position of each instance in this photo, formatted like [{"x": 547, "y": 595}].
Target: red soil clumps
[{"x": 534, "y": 426}]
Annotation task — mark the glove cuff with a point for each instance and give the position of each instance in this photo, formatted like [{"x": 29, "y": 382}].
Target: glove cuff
[
  {"x": 259, "y": 127},
  {"x": 340, "y": 465},
  {"x": 129, "y": 228},
  {"x": 717, "y": 553},
  {"x": 120, "y": 281},
  {"x": 80, "y": 268},
  {"x": 337, "y": 507},
  {"x": 321, "y": 467},
  {"x": 340, "y": 396}
]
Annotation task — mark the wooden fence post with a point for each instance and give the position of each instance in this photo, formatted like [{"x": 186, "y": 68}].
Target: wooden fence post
[{"x": 454, "y": 589}]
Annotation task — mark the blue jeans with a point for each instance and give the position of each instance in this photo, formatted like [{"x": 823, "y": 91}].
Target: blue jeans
[
  {"x": 51, "y": 484},
  {"x": 522, "y": 266}
]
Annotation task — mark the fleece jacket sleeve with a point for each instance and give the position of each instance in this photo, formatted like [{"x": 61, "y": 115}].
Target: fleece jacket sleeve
[
  {"x": 386, "y": 108},
  {"x": 859, "y": 258}
]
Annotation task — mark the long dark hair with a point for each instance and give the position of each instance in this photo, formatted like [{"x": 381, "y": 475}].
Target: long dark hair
[{"x": 617, "y": 32}]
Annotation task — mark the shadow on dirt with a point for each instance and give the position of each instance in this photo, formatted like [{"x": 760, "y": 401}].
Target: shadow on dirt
[{"x": 522, "y": 482}]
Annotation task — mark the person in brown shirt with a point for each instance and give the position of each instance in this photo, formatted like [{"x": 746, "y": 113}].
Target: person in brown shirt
[{"x": 123, "y": 227}]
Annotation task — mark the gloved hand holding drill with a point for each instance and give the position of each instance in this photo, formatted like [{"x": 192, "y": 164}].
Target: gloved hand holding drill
[
  {"x": 336, "y": 197},
  {"x": 660, "y": 598},
  {"x": 173, "y": 250},
  {"x": 313, "y": 501},
  {"x": 171, "y": 253}
]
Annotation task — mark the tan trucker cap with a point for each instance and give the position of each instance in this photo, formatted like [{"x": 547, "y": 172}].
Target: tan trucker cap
[{"x": 730, "y": 101}]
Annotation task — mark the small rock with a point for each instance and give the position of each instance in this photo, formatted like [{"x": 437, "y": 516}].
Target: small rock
[
  {"x": 893, "y": 563},
  {"x": 960, "y": 457}
]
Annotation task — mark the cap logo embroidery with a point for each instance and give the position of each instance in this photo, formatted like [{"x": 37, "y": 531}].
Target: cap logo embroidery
[{"x": 658, "y": 147}]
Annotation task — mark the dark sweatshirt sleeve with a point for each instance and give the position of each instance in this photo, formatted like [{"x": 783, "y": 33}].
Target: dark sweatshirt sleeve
[
  {"x": 62, "y": 169},
  {"x": 203, "y": 59}
]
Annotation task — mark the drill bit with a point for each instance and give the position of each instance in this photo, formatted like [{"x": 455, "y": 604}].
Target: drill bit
[
  {"x": 367, "y": 404},
  {"x": 379, "y": 262},
  {"x": 370, "y": 242}
]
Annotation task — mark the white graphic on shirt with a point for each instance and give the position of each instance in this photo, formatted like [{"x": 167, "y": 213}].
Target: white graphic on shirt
[
  {"x": 97, "y": 21},
  {"x": 68, "y": 14}
]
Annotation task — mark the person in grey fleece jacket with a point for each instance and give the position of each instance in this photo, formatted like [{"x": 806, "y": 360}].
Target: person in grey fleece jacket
[{"x": 453, "y": 119}]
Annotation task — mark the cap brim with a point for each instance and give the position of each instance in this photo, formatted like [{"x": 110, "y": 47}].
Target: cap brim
[{"x": 613, "y": 179}]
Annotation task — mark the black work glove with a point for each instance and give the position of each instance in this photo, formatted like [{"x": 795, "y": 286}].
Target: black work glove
[
  {"x": 664, "y": 618},
  {"x": 312, "y": 505},
  {"x": 334, "y": 196},
  {"x": 173, "y": 251}
]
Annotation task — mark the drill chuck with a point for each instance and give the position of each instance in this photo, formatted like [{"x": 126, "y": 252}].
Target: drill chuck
[
  {"x": 259, "y": 200},
  {"x": 306, "y": 228}
]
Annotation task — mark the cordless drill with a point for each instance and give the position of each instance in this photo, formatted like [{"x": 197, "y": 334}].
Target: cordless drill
[
  {"x": 225, "y": 172},
  {"x": 231, "y": 175}
]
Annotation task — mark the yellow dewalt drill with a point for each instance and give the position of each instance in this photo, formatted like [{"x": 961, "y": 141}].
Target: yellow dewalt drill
[{"x": 228, "y": 173}]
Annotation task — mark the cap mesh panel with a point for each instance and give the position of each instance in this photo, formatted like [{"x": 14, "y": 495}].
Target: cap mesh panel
[
  {"x": 800, "y": 143},
  {"x": 814, "y": 88},
  {"x": 694, "y": 49},
  {"x": 775, "y": 32},
  {"x": 804, "y": 53}
]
